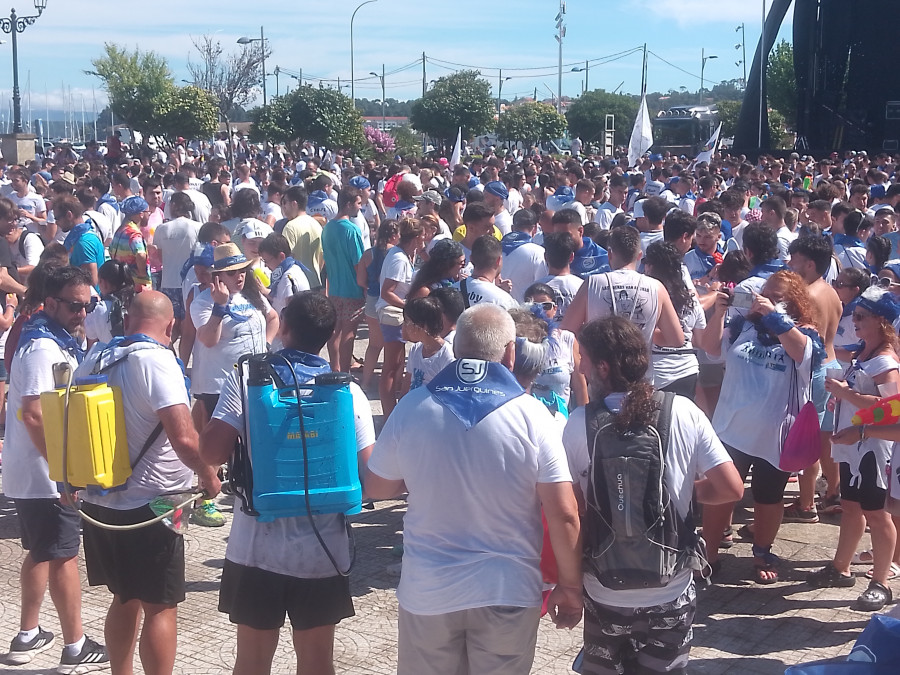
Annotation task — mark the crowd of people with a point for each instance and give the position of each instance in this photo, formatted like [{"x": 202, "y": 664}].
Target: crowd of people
[{"x": 531, "y": 321}]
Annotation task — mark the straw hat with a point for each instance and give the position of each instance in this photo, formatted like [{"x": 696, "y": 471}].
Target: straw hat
[{"x": 227, "y": 257}]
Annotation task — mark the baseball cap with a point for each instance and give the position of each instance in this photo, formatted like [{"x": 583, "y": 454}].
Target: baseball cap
[{"x": 432, "y": 196}]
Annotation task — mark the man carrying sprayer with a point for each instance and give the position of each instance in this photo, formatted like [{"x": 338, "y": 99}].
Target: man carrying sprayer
[
  {"x": 144, "y": 568},
  {"x": 50, "y": 527}
]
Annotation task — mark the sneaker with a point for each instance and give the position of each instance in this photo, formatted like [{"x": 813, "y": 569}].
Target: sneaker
[
  {"x": 21, "y": 651},
  {"x": 874, "y": 598},
  {"x": 794, "y": 514},
  {"x": 207, "y": 515},
  {"x": 829, "y": 577},
  {"x": 91, "y": 658}
]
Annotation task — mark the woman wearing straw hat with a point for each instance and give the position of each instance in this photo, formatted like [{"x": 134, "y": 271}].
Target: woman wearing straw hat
[{"x": 232, "y": 319}]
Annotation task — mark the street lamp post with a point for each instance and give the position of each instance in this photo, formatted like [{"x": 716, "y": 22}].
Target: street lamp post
[
  {"x": 500, "y": 90},
  {"x": 262, "y": 46},
  {"x": 703, "y": 59},
  {"x": 586, "y": 70},
  {"x": 381, "y": 77},
  {"x": 352, "y": 74},
  {"x": 743, "y": 47},
  {"x": 13, "y": 25}
]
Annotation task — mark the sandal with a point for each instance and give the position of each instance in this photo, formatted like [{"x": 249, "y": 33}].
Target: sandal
[
  {"x": 709, "y": 572},
  {"x": 744, "y": 532},
  {"x": 863, "y": 558},
  {"x": 893, "y": 573},
  {"x": 767, "y": 566},
  {"x": 727, "y": 538}
]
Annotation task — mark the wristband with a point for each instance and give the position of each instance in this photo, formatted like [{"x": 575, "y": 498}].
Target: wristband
[
  {"x": 777, "y": 323},
  {"x": 219, "y": 311}
]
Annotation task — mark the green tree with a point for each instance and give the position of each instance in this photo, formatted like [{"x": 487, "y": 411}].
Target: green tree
[
  {"x": 136, "y": 82},
  {"x": 323, "y": 116},
  {"x": 462, "y": 99},
  {"x": 587, "y": 115},
  {"x": 407, "y": 143},
  {"x": 730, "y": 111},
  {"x": 781, "y": 86},
  {"x": 531, "y": 122},
  {"x": 187, "y": 111}
]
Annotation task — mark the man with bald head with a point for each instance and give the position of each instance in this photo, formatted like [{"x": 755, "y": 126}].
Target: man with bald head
[{"x": 144, "y": 569}]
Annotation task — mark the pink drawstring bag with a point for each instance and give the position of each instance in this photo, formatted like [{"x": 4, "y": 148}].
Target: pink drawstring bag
[{"x": 801, "y": 448}]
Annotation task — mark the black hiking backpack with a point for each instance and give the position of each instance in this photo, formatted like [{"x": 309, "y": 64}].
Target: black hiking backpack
[{"x": 634, "y": 537}]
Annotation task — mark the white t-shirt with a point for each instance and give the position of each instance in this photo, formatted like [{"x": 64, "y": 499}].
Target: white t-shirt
[
  {"x": 422, "y": 369},
  {"x": 523, "y": 266},
  {"x": 481, "y": 291},
  {"x": 559, "y": 364},
  {"x": 363, "y": 224},
  {"x": 785, "y": 237},
  {"x": 566, "y": 286},
  {"x": 293, "y": 281},
  {"x": 202, "y": 206},
  {"x": 327, "y": 208},
  {"x": 211, "y": 365},
  {"x": 32, "y": 203},
  {"x": 648, "y": 238},
  {"x": 503, "y": 222},
  {"x": 625, "y": 293},
  {"x": 692, "y": 451},
  {"x": 579, "y": 208},
  {"x": 671, "y": 364},
  {"x": 150, "y": 380},
  {"x": 288, "y": 545},
  {"x": 272, "y": 209},
  {"x": 175, "y": 240},
  {"x": 514, "y": 202},
  {"x": 605, "y": 215},
  {"x": 397, "y": 267},
  {"x": 96, "y": 323},
  {"x": 31, "y": 244},
  {"x": 485, "y": 551},
  {"x": 26, "y": 474},
  {"x": 102, "y": 225},
  {"x": 756, "y": 386}
]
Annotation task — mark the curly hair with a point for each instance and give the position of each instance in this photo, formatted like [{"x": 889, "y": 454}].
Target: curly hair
[
  {"x": 617, "y": 342},
  {"x": 796, "y": 297},
  {"x": 663, "y": 263}
]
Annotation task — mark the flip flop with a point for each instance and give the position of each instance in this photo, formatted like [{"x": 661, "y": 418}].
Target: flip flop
[
  {"x": 892, "y": 574},
  {"x": 862, "y": 558}
]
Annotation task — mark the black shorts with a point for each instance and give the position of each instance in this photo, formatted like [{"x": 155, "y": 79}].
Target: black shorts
[
  {"x": 768, "y": 482},
  {"x": 145, "y": 564},
  {"x": 686, "y": 386},
  {"x": 50, "y": 531},
  {"x": 209, "y": 402},
  {"x": 260, "y": 599},
  {"x": 867, "y": 494}
]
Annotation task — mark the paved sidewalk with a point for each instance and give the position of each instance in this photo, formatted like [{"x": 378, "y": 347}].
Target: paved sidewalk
[{"x": 740, "y": 628}]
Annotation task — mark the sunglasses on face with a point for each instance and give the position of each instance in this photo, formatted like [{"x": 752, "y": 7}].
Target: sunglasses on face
[
  {"x": 230, "y": 273},
  {"x": 841, "y": 284},
  {"x": 75, "y": 307},
  {"x": 546, "y": 306},
  {"x": 859, "y": 316},
  {"x": 885, "y": 282}
]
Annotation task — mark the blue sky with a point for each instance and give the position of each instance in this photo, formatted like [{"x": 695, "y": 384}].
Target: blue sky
[{"x": 315, "y": 37}]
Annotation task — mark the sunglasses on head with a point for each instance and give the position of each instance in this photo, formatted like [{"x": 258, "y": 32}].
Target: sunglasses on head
[{"x": 75, "y": 307}]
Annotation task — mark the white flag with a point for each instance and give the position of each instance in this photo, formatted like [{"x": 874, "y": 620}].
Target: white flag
[
  {"x": 457, "y": 150},
  {"x": 641, "y": 134},
  {"x": 710, "y": 148}
]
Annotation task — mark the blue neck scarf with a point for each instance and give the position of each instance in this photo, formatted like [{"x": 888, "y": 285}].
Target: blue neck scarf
[
  {"x": 766, "y": 270},
  {"x": 403, "y": 205},
  {"x": 42, "y": 326},
  {"x": 473, "y": 389},
  {"x": 108, "y": 199},
  {"x": 847, "y": 241},
  {"x": 306, "y": 366},
  {"x": 75, "y": 234},
  {"x": 279, "y": 272},
  {"x": 706, "y": 259},
  {"x": 590, "y": 259},
  {"x": 514, "y": 240}
]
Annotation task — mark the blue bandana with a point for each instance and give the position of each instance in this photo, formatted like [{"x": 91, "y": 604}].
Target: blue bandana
[
  {"x": 75, "y": 234},
  {"x": 42, "y": 326},
  {"x": 847, "y": 241},
  {"x": 473, "y": 389},
  {"x": 108, "y": 199},
  {"x": 514, "y": 240},
  {"x": 590, "y": 259},
  {"x": 403, "y": 205},
  {"x": 306, "y": 366},
  {"x": 766, "y": 270},
  {"x": 317, "y": 197}
]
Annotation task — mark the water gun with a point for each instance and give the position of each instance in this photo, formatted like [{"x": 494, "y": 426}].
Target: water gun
[{"x": 885, "y": 411}]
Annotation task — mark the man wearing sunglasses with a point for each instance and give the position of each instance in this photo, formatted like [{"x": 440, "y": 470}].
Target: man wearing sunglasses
[{"x": 50, "y": 528}]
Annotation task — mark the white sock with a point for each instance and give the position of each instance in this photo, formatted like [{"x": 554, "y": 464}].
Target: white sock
[
  {"x": 26, "y": 635},
  {"x": 75, "y": 647}
]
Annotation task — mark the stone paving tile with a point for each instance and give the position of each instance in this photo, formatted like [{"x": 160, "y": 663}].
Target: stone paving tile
[{"x": 741, "y": 628}]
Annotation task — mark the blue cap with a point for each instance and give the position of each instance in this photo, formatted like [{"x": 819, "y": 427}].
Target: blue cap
[
  {"x": 881, "y": 303},
  {"x": 134, "y": 205},
  {"x": 45, "y": 175},
  {"x": 497, "y": 188},
  {"x": 656, "y": 157},
  {"x": 360, "y": 182}
]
